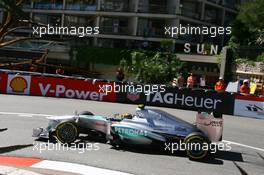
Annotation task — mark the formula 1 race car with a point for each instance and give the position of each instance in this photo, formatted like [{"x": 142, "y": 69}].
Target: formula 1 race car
[{"x": 145, "y": 127}]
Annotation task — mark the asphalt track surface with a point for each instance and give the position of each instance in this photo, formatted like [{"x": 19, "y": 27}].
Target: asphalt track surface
[{"x": 246, "y": 156}]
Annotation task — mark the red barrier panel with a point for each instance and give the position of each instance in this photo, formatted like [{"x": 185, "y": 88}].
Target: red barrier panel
[
  {"x": 69, "y": 88},
  {"x": 3, "y": 83}
]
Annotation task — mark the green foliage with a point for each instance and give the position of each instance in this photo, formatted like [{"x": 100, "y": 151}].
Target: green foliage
[
  {"x": 219, "y": 59},
  {"x": 240, "y": 35},
  {"x": 110, "y": 56},
  {"x": 260, "y": 58},
  {"x": 251, "y": 15},
  {"x": 248, "y": 27},
  {"x": 245, "y": 61},
  {"x": 167, "y": 45},
  {"x": 155, "y": 67}
]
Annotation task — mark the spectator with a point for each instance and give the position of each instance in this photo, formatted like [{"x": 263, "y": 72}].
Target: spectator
[
  {"x": 120, "y": 74},
  {"x": 174, "y": 82},
  {"x": 202, "y": 81},
  {"x": 181, "y": 80},
  {"x": 191, "y": 81},
  {"x": 220, "y": 85},
  {"x": 32, "y": 68},
  {"x": 245, "y": 89},
  {"x": 60, "y": 70}
]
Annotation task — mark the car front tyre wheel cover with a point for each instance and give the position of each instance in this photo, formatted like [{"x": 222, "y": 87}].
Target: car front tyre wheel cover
[{"x": 66, "y": 132}]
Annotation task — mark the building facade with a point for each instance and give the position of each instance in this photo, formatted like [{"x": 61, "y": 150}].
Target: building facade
[
  {"x": 131, "y": 23},
  {"x": 140, "y": 23}
]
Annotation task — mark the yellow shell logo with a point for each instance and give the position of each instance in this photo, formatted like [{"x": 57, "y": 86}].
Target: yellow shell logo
[{"x": 18, "y": 84}]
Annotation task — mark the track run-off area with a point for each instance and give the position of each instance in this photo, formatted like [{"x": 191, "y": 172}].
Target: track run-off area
[{"x": 20, "y": 114}]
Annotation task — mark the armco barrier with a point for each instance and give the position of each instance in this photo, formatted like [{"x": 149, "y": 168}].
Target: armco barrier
[
  {"x": 37, "y": 84},
  {"x": 59, "y": 86}
]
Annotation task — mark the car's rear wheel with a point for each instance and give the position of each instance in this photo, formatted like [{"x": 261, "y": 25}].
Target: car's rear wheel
[
  {"x": 115, "y": 141},
  {"x": 67, "y": 132},
  {"x": 197, "y": 146}
]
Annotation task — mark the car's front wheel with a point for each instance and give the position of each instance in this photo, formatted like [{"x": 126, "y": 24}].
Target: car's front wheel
[{"x": 66, "y": 132}]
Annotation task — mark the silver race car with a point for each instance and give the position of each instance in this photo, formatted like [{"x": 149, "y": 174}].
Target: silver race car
[{"x": 145, "y": 127}]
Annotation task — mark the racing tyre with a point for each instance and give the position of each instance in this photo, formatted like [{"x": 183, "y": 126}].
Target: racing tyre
[
  {"x": 115, "y": 141},
  {"x": 86, "y": 113},
  {"x": 197, "y": 146},
  {"x": 67, "y": 132}
]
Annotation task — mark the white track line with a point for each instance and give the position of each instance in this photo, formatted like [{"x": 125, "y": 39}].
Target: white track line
[
  {"x": 25, "y": 114},
  {"x": 75, "y": 168},
  {"x": 243, "y": 145}
]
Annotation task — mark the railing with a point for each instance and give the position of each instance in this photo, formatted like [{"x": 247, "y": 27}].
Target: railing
[
  {"x": 154, "y": 8},
  {"x": 114, "y": 30},
  {"x": 48, "y": 6},
  {"x": 121, "y": 7},
  {"x": 152, "y": 32},
  {"x": 39, "y": 45},
  {"x": 81, "y": 7},
  {"x": 230, "y": 4}
]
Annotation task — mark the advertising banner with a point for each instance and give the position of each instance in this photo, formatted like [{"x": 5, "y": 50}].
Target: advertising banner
[
  {"x": 70, "y": 88},
  {"x": 249, "y": 106},
  {"x": 183, "y": 99},
  {"x": 193, "y": 100},
  {"x": 3, "y": 82},
  {"x": 18, "y": 84}
]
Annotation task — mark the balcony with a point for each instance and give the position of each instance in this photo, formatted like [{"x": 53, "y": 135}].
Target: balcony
[
  {"x": 213, "y": 15},
  {"x": 81, "y": 7},
  {"x": 153, "y": 32},
  {"x": 78, "y": 21},
  {"x": 155, "y": 8},
  {"x": 112, "y": 30},
  {"x": 115, "y": 6},
  {"x": 216, "y": 1},
  {"x": 190, "y": 13},
  {"x": 230, "y": 4},
  {"x": 48, "y": 6},
  {"x": 191, "y": 9}
]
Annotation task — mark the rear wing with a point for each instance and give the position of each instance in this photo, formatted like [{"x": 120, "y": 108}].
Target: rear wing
[{"x": 211, "y": 124}]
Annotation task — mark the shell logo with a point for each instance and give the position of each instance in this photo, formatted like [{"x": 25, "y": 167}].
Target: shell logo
[{"x": 18, "y": 84}]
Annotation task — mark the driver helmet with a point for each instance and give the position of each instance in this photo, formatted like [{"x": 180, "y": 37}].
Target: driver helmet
[{"x": 127, "y": 116}]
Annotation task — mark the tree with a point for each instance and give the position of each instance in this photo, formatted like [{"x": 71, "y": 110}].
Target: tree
[
  {"x": 248, "y": 28},
  {"x": 155, "y": 68},
  {"x": 14, "y": 14}
]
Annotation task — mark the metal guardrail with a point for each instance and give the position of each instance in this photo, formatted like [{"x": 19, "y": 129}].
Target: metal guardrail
[{"x": 49, "y": 75}]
